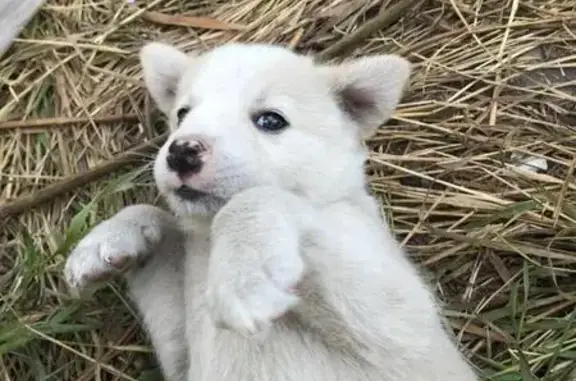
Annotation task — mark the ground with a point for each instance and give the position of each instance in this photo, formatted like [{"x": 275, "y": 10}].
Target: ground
[{"x": 493, "y": 87}]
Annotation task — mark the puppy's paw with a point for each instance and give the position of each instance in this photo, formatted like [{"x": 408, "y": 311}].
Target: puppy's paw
[
  {"x": 247, "y": 299},
  {"x": 111, "y": 248}
]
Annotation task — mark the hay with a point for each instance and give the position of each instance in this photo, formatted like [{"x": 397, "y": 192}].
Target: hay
[{"x": 493, "y": 82}]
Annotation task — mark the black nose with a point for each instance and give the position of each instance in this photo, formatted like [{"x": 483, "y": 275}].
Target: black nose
[{"x": 184, "y": 157}]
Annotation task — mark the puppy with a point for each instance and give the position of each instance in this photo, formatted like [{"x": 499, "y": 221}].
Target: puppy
[{"x": 274, "y": 263}]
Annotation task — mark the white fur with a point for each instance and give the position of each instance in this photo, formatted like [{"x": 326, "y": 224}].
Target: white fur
[
  {"x": 286, "y": 270},
  {"x": 14, "y": 15}
]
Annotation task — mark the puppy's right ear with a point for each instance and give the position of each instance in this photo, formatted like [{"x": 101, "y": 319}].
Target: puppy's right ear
[{"x": 163, "y": 66}]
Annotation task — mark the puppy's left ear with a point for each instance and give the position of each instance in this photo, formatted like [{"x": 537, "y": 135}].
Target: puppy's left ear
[
  {"x": 163, "y": 66},
  {"x": 369, "y": 88}
]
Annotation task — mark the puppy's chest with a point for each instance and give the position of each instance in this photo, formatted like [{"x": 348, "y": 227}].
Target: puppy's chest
[{"x": 197, "y": 261}]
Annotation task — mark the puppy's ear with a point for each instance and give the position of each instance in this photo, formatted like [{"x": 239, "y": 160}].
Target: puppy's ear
[
  {"x": 163, "y": 66},
  {"x": 369, "y": 89}
]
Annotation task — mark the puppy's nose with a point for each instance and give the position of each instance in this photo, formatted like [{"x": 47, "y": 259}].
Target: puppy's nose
[{"x": 185, "y": 156}]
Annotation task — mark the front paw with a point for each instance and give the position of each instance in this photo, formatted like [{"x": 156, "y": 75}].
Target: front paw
[
  {"x": 247, "y": 297},
  {"x": 111, "y": 248}
]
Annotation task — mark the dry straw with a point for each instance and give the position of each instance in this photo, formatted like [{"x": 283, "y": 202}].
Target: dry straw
[{"x": 494, "y": 85}]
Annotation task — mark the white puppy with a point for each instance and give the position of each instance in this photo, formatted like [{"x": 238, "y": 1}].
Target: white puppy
[{"x": 276, "y": 264}]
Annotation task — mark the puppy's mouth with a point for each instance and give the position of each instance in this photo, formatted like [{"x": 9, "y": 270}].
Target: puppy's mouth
[{"x": 189, "y": 194}]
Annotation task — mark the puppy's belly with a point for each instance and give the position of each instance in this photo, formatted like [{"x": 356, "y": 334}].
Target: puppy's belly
[
  {"x": 289, "y": 351},
  {"x": 285, "y": 353}
]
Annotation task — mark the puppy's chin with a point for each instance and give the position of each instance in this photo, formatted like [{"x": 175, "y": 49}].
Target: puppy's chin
[{"x": 205, "y": 205}]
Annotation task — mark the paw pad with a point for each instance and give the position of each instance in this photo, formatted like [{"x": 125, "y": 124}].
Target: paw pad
[{"x": 118, "y": 261}]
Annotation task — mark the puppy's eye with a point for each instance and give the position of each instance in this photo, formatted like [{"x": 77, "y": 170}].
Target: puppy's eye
[
  {"x": 181, "y": 113},
  {"x": 269, "y": 121}
]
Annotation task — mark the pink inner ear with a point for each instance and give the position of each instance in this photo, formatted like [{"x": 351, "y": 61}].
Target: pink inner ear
[{"x": 357, "y": 102}]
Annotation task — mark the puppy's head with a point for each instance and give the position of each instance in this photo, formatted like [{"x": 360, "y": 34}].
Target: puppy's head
[{"x": 244, "y": 115}]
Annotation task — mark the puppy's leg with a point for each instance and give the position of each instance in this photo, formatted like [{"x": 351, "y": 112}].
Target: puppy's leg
[
  {"x": 143, "y": 243},
  {"x": 254, "y": 262},
  {"x": 158, "y": 290}
]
